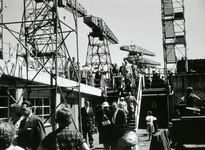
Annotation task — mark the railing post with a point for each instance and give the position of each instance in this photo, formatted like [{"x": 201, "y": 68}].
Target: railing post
[{"x": 139, "y": 98}]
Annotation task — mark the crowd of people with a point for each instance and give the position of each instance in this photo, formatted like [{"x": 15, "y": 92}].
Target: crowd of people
[
  {"x": 124, "y": 77},
  {"x": 111, "y": 120},
  {"x": 107, "y": 117},
  {"x": 26, "y": 131}
]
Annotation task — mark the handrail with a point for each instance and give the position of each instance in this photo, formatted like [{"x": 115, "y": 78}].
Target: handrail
[{"x": 141, "y": 85}]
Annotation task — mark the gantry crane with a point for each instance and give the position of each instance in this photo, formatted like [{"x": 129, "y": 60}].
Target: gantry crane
[
  {"x": 135, "y": 54},
  {"x": 98, "y": 53},
  {"x": 135, "y": 49}
]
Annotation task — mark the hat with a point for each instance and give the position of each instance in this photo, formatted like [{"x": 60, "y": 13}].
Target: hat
[
  {"x": 120, "y": 130},
  {"x": 122, "y": 98},
  {"x": 105, "y": 104},
  {"x": 189, "y": 88}
]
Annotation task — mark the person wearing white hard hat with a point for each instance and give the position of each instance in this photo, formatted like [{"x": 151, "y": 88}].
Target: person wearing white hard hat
[{"x": 103, "y": 118}]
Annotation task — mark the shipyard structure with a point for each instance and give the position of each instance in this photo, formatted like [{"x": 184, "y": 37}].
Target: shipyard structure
[{"x": 40, "y": 69}]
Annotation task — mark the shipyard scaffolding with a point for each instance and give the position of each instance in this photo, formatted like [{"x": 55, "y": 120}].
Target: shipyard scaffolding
[
  {"x": 98, "y": 53},
  {"x": 42, "y": 53},
  {"x": 174, "y": 33}
]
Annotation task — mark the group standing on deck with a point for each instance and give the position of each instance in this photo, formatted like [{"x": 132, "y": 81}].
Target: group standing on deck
[{"x": 111, "y": 119}]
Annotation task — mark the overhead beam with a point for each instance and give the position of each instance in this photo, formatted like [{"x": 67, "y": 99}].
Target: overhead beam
[{"x": 100, "y": 28}]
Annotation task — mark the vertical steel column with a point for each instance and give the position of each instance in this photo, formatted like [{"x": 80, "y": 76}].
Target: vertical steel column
[
  {"x": 174, "y": 34},
  {"x": 78, "y": 75},
  {"x": 1, "y": 31}
]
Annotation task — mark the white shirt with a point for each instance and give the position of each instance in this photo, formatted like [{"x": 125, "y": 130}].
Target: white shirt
[
  {"x": 150, "y": 119},
  {"x": 14, "y": 148},
  {"x": 27, "y": 118},
  {"x": 87, "y": 109},
  {"x": 114, "y": 117}
]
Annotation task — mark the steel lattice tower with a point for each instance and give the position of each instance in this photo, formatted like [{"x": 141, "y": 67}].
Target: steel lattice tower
[
  {"x": 41, "y": 40},
  {"x": 174, "y": 33},
  {"x": 43, "y": 35},
  {"x": 98, "y": 53}
]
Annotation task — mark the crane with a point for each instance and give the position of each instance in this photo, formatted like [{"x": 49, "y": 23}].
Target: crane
[
  {"x": 142, "y": 60},
  {"x": 135, "y": 54},
  {"x": 100, "y": 28},
  {"x": 98, "y": 54},
  {"x": 135, "y": 49}
]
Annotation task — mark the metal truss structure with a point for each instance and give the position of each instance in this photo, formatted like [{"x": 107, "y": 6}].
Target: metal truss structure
[
  {"x": 135, "y": 54},
  {"x": 43, "y": 34},
  {"x": 98, "y": 53},
  {"x": 135, "y": 49},
  {"x": 174, "y": 33},
  {"x": 42, "y": 40}
]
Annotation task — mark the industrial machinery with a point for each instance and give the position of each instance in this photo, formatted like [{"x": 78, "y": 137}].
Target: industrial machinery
[
  {"x": 98, "y": 53},
  {"x": 136, "y": 54}
]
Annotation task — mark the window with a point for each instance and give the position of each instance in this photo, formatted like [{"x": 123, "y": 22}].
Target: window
[
  {"x": 41, "y": 107},
  {"x": 3, "y": 107}
]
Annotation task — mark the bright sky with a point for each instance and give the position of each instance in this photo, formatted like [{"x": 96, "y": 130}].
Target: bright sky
[
  {"x": 139, "y": 22},
  {"x": 135, "y": 22}
]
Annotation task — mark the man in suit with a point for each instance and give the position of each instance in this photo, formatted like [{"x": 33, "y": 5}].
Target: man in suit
[
  {"x": 87, "y": 115},
  {"x": 118, "y": 115},
  {"x": 31, "y": 130}
]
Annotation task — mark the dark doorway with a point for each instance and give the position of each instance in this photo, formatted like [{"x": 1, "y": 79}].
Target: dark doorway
[{"x": 161, "y": 104}]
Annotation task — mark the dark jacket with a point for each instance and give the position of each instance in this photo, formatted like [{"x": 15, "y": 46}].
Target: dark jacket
[
  {"x": 31, "y": 133},
  {"x": 120, "y": 117},
  {"x": 104, "y": 131},
  {"x": 87, "y": 118}
]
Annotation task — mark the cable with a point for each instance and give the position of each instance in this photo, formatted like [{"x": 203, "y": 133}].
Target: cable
[{"x": 6, "y": 6}]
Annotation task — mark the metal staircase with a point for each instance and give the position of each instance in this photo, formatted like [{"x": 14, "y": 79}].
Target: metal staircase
[
  {"x": 134, "y": 123},
  {"x": 141, "y": 92}
]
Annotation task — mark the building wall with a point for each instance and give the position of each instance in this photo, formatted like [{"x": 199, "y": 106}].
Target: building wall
[
  {"x": 40, "y": 96},
  {"x": 180, "y": 82},
  {"x": 162, "y": 110}
]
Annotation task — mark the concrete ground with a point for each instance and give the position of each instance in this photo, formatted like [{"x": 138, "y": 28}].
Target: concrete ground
[
  {"x": 143, "y": 143},
  {"x": 143, "y": 137}
]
